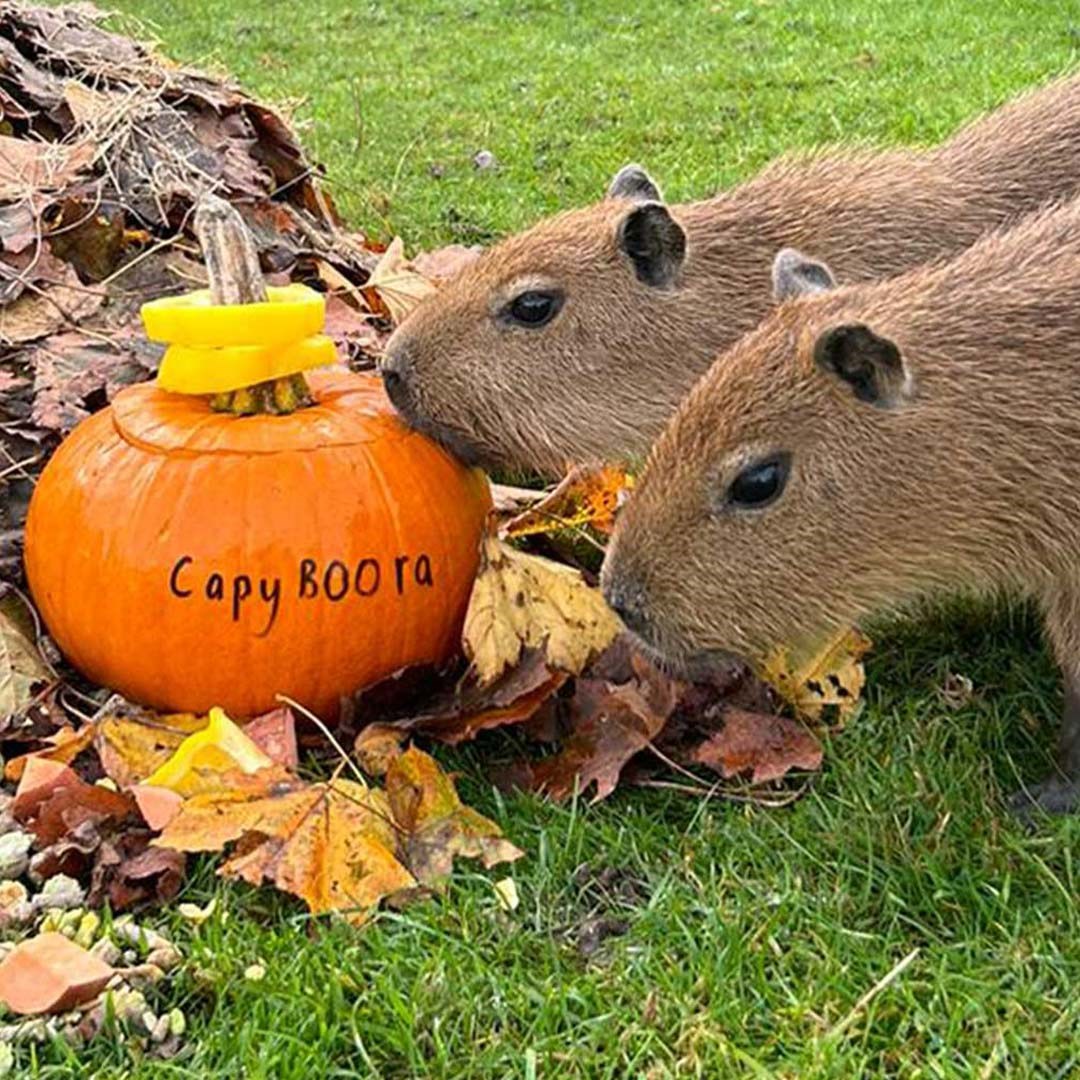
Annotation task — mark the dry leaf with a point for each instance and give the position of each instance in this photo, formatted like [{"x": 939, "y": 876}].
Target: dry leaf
[
  {"x": 521, "y": 600},
  {"x": 330, "y": 844},
  {"x": 65, "y": 746},
  {"x": 134, "y": 744},
  {"x": 833, "y": 676},
  {"x": 437, "y": 824},
  {"x": 767, "y": 747},
  {"x": 611, "y": 723},
  {"x": 203, "y": 759},
  {"x": 585, "y": 496},
  {"x": 394, "y": 286},
  {"x": 22, "y": 670},
  {"x": 28, "y": 167},
  {"x": 45, "y": 310},
  {"x": 446, "y": 262}
]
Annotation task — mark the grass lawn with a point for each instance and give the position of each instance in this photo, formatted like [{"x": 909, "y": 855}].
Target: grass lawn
[{"x": 749, "y": 936}]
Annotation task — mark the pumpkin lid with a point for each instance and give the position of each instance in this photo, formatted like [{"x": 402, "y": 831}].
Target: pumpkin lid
[{"x": 348, "y": 409}]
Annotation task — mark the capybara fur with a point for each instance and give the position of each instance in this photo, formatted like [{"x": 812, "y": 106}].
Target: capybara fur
[
  {"x": 867, "y": 446},
  {"x": 575, "y": 340}
]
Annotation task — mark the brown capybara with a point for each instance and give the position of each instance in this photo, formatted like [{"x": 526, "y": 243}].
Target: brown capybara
[
  {"x": 576, "y": 339},
  {"x": 865, "y": 447}
]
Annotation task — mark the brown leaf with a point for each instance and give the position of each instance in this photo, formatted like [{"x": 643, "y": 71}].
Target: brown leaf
[
  {"x": 377, "y": 746},
  {"x": 46, "y": 309},
  {"x": 331, "y": 844},
  {"x": 767, "y": 747},
  {"x": 52, "y": 802},
  {"x": 128, "y": 872},
  {"x": 437, "y": 824},
  {"x": 27, "y": 167},
  {"x": 443, "y": 264},
  {"x": 610, "y": 724},
  {"x": 393, "y": 287},
  {"x": 274, "y": 733},
  {"x": 462, "y": 712}
]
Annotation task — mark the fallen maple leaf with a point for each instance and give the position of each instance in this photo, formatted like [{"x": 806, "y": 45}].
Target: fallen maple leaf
[
  {"x": 202, "y": 760},
  {"x": 767, "y": 747},
  {"x": 521, "y": 600},
  {"x": 585, "y": 496},
  {"x": 330, "y": 844},
  {"x": 437, "y": 824},
  {"x": 832, "y": 676},
  {"x": 22, "y": 670},
  {"x": 394, "y": 286}
]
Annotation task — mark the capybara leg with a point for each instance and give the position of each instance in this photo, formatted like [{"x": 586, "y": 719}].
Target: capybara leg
[{"x": 1059, "y": 792}]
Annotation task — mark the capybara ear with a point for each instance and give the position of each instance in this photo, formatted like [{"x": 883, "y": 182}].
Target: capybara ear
[
  {"x": 633, "y": 182},
  {"x": 871, "y": 365},
  {"x": 655, "y": 243},
  {"x": 796, "y": 274}
]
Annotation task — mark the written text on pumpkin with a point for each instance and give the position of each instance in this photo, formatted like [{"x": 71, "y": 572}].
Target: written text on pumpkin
[{"x": 333, "y": 581}]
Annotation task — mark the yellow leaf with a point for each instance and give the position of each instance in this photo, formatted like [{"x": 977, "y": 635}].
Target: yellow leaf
[
  {"x": 438, "y": 826},
  {"x": 330, "y": 844},
  {"x": 134, "y": 744},
  {"x": 396, "y": 284},
  {"x": 521, "y": 600},
  {"x": 586, "y": 496},
  {"x": 203, "y": 758},
  {"x": 832, "y": 676},
  {"x": 21, "y": 668}
]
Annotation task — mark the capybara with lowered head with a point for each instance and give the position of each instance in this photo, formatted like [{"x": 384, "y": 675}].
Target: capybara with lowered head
[
  {"x": 865, "y": 447},
  {"x": 575, "y": 340}
]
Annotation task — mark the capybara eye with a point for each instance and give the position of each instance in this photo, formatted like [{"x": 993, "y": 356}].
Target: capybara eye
[
  {"x": 534, "y": 308},
  {"x": 761, "y": 483}
]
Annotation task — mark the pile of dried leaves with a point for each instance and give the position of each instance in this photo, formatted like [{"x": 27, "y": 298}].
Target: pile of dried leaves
[{"x": 104, "y": 149}]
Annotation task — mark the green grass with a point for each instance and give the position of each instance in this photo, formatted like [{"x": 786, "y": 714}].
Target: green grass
[{"x": 751, "y": 935}]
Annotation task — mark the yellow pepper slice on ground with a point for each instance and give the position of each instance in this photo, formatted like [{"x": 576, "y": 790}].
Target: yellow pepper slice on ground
[
  {"x": 187, "y": 370},
  {"x": 292, "y": 312}
]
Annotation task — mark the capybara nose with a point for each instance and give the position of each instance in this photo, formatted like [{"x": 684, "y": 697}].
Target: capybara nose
[
  {"x": 394, "y": 367},
  {"x": 628, "y": 602}
]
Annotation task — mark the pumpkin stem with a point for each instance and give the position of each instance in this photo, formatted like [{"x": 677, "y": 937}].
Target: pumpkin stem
[{"x": 232, "y": 266}]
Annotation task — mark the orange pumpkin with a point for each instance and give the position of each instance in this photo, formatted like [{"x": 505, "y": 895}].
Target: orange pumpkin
[{"x": 189, "y": 558}]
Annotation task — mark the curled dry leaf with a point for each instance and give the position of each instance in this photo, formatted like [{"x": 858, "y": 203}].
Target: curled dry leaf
[
  {"x": 522, "y": 600},
  {"x": 394, "y": 288},
  {"x": 586, "y": 496},
  {"x": 765, "y": 747},
  {"x": 446, "y": 262},
  {"x": 436, "y": 824},
  {"x": 22, "y": 670},
  {"x": 832, "y": 676},
  {"x": 330, "y": 844}
]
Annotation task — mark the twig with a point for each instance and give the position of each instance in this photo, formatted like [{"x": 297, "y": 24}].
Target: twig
[
  {"x": 328, "y": 733},
  {"x": 883, "y": 983}
]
